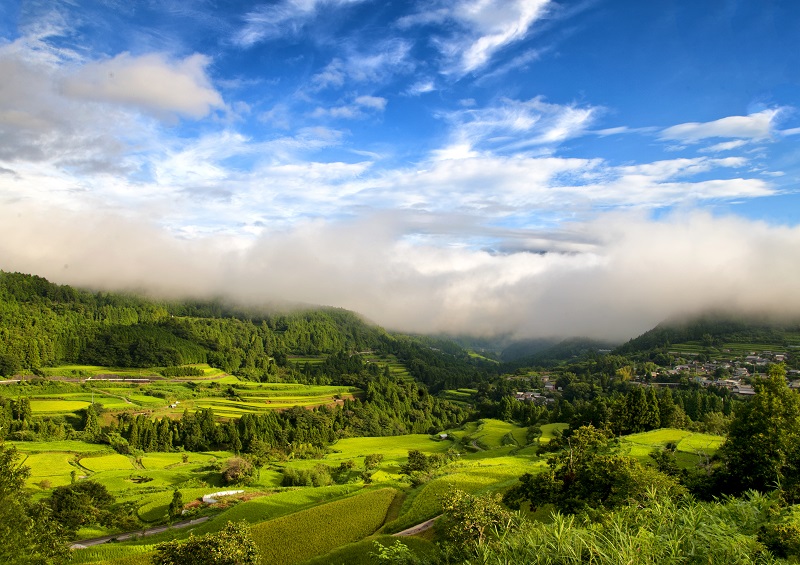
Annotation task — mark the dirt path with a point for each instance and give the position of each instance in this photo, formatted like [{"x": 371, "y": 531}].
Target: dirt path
[
  {"x": 114, "y": 395},
  {"x": 419, "y": 528},
  {"x": 83, "y": 544}
]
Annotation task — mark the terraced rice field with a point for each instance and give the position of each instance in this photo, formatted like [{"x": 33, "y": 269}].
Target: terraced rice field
[
  {"x": 300, "y": 536},
  {"x": 490, "y": 434},
  {"x": 264, "y": 397},
  {"x": 471, "y": 476},
  {"x": 50, "y": 468},
  {"x": 692, "y": 448},
  {"x": 113, "y": 462},
  {"x": 57, "y": 406}
]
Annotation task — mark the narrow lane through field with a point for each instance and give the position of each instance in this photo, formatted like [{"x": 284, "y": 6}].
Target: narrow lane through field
[
  {"x": 419, "y": 528},
  {"x": 138, "y": 533}
]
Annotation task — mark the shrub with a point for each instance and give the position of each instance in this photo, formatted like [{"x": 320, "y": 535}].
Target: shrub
[
  {"x": 237, "y": 470},
  {"x": 233, "y": 545}
]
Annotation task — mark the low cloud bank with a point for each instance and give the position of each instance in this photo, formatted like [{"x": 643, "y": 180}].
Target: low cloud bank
[{"x": 625, "y": 272}]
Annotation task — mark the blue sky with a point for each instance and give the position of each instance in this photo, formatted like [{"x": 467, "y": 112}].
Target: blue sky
[{"x": 477, "y": 166}]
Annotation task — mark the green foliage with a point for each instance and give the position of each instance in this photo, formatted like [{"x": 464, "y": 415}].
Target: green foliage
[
  {"x": 657, "y": 530},
  {"x": 589, "y": 473},
  {"x": 238, "y": 471},
  {"x": 84, "y": 502},
  {"x": 472, "y": 519},
  {"x": 318, "y": 476},
  {"x": 182, "y": 372},
  {"x": 372, "y": 461},
  {"x": 781, "y": 538},
  {"x": 141, "y": 345},
  {"x": 176, "y": 506},
  {"x": 233, "y": 545},
  {"x": 28, "y": 534},
  {"x": 712, "y": 329},
  {"x": 396, "y": 554},
  {"x": 762, "y": 450}
]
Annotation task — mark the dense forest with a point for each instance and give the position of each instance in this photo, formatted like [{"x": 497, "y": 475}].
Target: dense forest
[{"x": 44, "y": 324}]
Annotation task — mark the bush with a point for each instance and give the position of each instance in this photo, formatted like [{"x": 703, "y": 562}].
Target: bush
[
  {"x": 233, "y": 545},
  {"x": 238, "y": 471},
  {"x": 319, "y": 476}
]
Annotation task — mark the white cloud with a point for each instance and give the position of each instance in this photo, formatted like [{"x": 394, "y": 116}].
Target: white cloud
[
  {"x": 285, "y": 17},
  {"x": 150, "y": 82},
  {"x": 515, "y": 125},
  {"x": 355, "y": 110},
  {"x": 724, "y": 146},
  {"x": 421, "y": 87},
  {"x": 38, "y": 124},
  {"x": 374, "y": 102},
  {"x": 484, "y": 28},
  {"x": 754, "y": 126},
  {"x": 496, "y": 23},
  {"x": 383, "y": 61}
]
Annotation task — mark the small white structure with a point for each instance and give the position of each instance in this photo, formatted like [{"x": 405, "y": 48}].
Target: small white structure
[{"x": 214, "y": 497}]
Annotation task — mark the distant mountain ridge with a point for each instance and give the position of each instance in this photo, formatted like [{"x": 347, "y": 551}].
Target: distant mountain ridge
[
  {"x": 713, "y": 328},
  {"x": 553, "y": 352}
]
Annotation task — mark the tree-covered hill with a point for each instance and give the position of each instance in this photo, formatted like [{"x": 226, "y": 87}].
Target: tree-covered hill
[
  {"x": 544, "y": 354},
  {"x": 713, "y": 329},
  {"x": 44, "y": 324}
]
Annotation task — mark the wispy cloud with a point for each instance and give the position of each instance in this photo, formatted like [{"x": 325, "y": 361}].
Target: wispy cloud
[
  {"x": 358, "y": 109},
  {"x": 724, "y": 146},
  {"x": 381, "y": 62},
  {"x": 484, "y": 27},
  {"x": 515, "y": 125},
  {"x": 286, "y": 17},
  {"x": 421, "y": 87},
  {"x": 753, "y": 126}
]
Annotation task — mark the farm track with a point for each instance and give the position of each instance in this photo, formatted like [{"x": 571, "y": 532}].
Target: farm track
[
  {"x": 138, "y": 533},
  {"x": 116, "y": 396}
]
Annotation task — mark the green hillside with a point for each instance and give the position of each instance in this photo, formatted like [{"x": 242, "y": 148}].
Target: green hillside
[{"x": 45, "y": 325}]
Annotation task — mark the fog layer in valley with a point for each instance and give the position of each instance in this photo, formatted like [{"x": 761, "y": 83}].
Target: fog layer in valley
[{"x": 611, "y": 278}]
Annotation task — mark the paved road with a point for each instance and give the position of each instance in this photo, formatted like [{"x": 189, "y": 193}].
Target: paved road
[
  {"x": 414, "y": 530},
  {"x": 139, "y": 533}
]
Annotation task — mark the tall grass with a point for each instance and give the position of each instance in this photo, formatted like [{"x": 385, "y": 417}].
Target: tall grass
[{"x": 659, "y": 531}]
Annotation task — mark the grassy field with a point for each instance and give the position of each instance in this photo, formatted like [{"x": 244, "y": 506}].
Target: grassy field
[
  {"x": 734, "y": 349},
  {"x": 97, "y": 371}
]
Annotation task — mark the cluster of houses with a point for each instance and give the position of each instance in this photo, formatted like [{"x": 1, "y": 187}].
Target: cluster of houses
[
  {"x": 738, "y": 370},
  {"x": 703, "y": 373},
  {"x": 538, "y": 397}
]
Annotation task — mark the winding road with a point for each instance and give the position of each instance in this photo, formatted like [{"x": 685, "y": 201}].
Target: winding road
[{"x": 83, "y": 544}]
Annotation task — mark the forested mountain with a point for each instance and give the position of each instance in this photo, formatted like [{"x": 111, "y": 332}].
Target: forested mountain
[
  {"x": 713, "y": 329},
  {"x": 43, "y": 324},
  {"x": 543, "y": 352}
]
